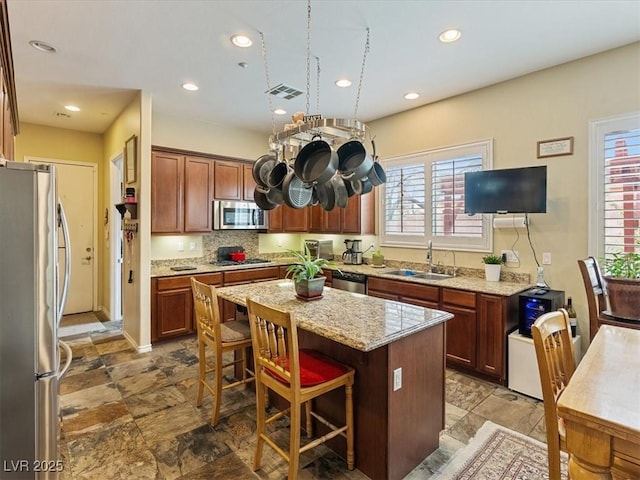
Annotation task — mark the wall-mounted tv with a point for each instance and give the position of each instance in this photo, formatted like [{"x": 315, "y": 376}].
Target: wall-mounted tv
[{"x": 510, "y": 190}]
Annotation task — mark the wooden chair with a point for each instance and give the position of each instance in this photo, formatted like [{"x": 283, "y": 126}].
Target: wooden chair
[
  {"x": 554, "y": 353},
  {"x": 298, "y": 376},
  {"x": 594, "y": 287},
  {"x": 222, "y": 338}
]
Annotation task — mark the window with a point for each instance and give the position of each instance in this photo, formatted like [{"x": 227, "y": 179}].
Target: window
[
  {"x": 423, "y": 199},
  {"x": 614, "y": 180}
]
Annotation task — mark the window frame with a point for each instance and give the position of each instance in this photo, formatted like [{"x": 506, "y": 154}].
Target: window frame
[
  {"x": 484, "y": 148},
  {"x": 598, "y": 129}
]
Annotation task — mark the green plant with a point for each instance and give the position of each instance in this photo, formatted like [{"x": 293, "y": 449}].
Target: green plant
[
  {"x": 492, "y": 259},
  {"x": 377, "y": 253},
  {"x": 307, "y": 267},
  {"x": 623, "y": 265}
]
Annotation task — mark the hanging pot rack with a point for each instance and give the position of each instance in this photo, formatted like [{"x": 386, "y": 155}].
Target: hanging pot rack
[{"x": 332, "y": 130}]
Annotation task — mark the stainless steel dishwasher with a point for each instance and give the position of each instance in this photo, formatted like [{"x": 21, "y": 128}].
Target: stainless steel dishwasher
[{"x": 351, "y": 282}]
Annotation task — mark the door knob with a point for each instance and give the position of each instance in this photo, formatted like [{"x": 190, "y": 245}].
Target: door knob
[{"x": 88, "y": 257}]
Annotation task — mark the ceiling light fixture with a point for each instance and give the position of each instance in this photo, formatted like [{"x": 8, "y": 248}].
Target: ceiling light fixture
[
  {"x": 411, "y": 95},
  {"x": 243, "y": 64},
  {"x": 279, "y": 111},
  {"x": 42, "y": 46},
  {"x": 450, "y": 35},
  {"x": 192, "y": 87},
  {"x": 72, "y": 108},
  {"x": 241, "y": 41},
  {"x": 343, "y": 83}
]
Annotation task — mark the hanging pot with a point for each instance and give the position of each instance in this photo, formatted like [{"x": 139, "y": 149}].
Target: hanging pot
[
  {"x": 354, "y": 161},
  {"x": 362, "y": 187},
  {"x": 296, "y": 193},
  {"x": 340, "y": 191},
  {"x": 261, "y": 199},
  {"x": 376, "y": 175},
  {"x": 278, "y": 173},
  {"x": 326, "y": 195},
  {"x": 317, "y": 162},
  {"x": 261, "y": 168}
]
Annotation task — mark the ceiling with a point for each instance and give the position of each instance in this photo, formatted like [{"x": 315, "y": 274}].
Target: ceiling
[{"x": 109, "y": 50}]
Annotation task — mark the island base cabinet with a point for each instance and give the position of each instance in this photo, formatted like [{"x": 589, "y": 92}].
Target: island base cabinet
[{"x": 394, "y": 430}]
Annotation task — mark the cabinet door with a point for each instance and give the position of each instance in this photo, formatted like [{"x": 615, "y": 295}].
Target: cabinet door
[
  {"x": 294, "y": 219},
  {"x": 167, "y": 193},
  {"x": 227, "y": 179},
  {"x": 174, "y": 311},
  {"x": 316, "y": 219},
  {"x": 332, "y": 220},
  {"x": 381, "y": 294},
  {"x": 461, "y": 336},
  {"x": 275, "y": 220},
  {"x": 198, "y": 194},
  {"x": 249, "y": 184},
  {"x": 350, "y": 221},
  {"x": 491, "y": 335}
]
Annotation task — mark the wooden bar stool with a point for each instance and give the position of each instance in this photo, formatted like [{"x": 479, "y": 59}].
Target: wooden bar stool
[
  {"x": 554, "y": 353},
  {"x": 298, "y": 376},
  {"x": 221, "y": 338}
]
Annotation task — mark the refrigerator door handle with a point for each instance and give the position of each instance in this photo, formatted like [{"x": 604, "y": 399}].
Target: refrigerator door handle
[
  {"x": 68, "y": 358},
  {"x": 67, "y": 260}
]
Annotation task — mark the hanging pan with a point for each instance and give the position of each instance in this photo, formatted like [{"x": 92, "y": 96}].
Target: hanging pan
[
  {"x": 376, "y": 175},
  {"x": 296, "y": 193},
  {"x": 261, "y": 168},
  {"x": 340, "y": 191},
  {"x": 261, "y": 199},
  {"x": 326, "y": 195},
  {"x": 317, "y": 162}
]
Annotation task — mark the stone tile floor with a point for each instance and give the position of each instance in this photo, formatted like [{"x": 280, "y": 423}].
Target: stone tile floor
[{"x": 132, "y": 415}]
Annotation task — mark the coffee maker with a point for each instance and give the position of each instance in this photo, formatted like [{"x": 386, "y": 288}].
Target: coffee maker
[{"x": 353, "y": 253}]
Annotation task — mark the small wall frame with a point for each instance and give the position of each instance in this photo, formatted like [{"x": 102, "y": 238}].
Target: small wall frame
[{"x": 130, "y": 160}]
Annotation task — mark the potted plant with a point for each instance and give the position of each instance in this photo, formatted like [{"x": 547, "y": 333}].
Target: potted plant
[
  {"x": 378, "y": 258},
  {"x": 622, "y": 276},
  {"x": 308, "y": 283},
  {"x": 492, "y": 267}
]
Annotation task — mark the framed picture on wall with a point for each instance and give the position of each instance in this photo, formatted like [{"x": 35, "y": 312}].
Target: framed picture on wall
[{"x": 130, "y": 159}]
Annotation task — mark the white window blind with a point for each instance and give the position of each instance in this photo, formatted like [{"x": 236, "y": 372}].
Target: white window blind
[
  {"x": 621, "y": 202},
  {"x": 423, "y": 199},
  {"x": 614, "y": 185}
]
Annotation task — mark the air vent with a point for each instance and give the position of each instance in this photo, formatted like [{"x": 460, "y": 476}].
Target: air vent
[
  {"x": 62, "y": 114},
  {"x": 284, "y": 91}
]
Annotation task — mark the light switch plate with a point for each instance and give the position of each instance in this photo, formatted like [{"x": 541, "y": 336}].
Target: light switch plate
[{"x": 397, "y": 379}]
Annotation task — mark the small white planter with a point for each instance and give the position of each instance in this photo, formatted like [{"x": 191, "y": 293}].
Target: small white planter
[{"x": 492, "y": 272}]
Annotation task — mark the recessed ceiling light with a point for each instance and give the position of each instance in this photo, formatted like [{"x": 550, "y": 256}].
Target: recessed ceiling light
[
  {"x": 42, "y": 46},
  {"x": 243, "y": 64},
  {"x": 241, "y": 41},
  {"x": 279, "y": 111},
  {"x": 344, "y": 83},
  {"x": 411, "y": 95},
  {"x": 192, "y": 87},
  {"x": 449, "y": 36},
  {"x": 72, "y": 108}
]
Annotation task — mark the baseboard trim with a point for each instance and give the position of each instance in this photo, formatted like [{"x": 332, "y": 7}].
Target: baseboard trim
[{"x": 139, "y": 349}]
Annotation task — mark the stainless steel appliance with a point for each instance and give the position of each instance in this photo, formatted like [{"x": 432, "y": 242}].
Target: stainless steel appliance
[
  {"x": 31, "y": 305},
  {"x": 320, "y": 248},
  {"x": 351, "y": 282},
  {"x": 353, "y": 253},
  {"x": 231, "y": 215}
]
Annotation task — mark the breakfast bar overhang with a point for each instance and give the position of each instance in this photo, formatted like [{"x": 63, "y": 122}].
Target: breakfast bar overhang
[{"x": 398, "y": 352}]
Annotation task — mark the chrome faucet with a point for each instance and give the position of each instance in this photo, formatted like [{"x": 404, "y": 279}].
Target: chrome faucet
[
  {"x": 430, "y": 256},
  {"x": 454, "y": 260}
]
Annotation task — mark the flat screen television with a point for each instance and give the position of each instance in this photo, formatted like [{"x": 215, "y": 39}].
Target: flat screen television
[{"x": 510, "y": 190}]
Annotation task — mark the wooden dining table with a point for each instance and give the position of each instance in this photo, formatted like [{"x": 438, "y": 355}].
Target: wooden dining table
[{"x": 601, "y": 408}]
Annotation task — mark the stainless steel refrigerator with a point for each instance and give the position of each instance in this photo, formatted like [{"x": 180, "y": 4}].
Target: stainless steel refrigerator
[{"x": 33, "y": 288}]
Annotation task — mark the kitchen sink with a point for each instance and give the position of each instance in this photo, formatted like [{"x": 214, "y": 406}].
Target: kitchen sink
[
  {"x": 432, "y": 276},
  {"x": 418, "y": 274}
]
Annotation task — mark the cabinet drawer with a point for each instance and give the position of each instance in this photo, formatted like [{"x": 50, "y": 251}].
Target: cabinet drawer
[
  {"x": 253, "y": 275},
  {"x": 451, "y": 296},
  {"x": 404, "y": 289},
  {"x": 184, "y": 281}
]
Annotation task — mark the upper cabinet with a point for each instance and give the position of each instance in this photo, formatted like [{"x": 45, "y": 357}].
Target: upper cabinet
[
  {"x": 181, "y": 193},
  {"x": 357, "y": 217},
  {"x": 8, "y": 102},
  {"x": 228, "y": 180}
]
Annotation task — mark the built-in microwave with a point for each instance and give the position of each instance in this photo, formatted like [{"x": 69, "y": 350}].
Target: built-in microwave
[{"x": 229, "y": 215}]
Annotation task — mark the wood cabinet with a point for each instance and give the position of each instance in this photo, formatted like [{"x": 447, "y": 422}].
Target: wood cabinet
[
  {"x": 239, "y": 277},
  {"x": 248, "y": 183},
  {"x": 284, "y": 219},
  {"x": 181, "y": 193},
  {"x": 357, "y": 217},
  {"x": 416, "y": 294},
  {"x": 172, "y": 304},
  {"x": 461, "y": 329},
  {"x": 228, "y": 180}
]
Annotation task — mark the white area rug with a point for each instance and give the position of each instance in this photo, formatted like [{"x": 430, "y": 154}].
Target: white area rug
[
  {"x": 78, "y": 324},
  {"x": 499, "y": 453}
]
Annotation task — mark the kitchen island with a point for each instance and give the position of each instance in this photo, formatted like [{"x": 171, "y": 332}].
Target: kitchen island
[{"x": 398, "y": 352}]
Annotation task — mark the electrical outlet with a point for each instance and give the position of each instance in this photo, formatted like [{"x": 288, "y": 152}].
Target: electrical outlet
[
  {"x": 181, "y": 246},
  {"x": 546, "y": 258},
  {"x": 397, "y": 379},
  {"x": 192, "y": 246},
  {"x": 511, "y": 256}
]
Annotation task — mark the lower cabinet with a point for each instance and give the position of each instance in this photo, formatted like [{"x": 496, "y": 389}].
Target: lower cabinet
[
  {"x": 172, "y": 304},
  {"x": 476, "y": 337}
]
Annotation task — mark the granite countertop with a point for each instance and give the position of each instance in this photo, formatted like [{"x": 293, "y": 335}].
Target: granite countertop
[
  {"x": 358, "y": 321},
  {"x": 462, "y": 282}
]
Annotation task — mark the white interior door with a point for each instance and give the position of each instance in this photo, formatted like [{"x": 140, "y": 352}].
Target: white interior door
[{"x": 77, "y": 193}]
